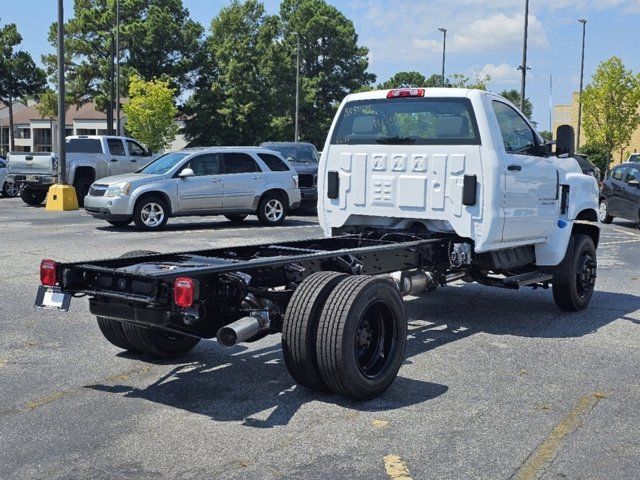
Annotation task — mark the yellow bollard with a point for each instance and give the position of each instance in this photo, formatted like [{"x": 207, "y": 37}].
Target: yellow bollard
[{"x": 61, "y": 198}]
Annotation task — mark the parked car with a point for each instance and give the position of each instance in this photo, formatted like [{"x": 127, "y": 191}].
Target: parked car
[
  {"x": 8, "y": 189},
  {"x": 304, "y": 158},
  {"x": 620, "y": 195},
  {"x": 234, "y": 182},
  {"x": 587, "y": 167},
  {"x": 634, "y": 157},
  {"x": 89, "y": 158}
]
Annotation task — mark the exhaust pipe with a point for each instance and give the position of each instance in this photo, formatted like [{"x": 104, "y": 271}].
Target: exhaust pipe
[
  {"x": 243, "y": 329},
  {"x": 414, "y": 283}
]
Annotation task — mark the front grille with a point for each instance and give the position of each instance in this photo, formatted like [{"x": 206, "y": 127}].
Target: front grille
[
  {"x": 97, "y": 190},
  {"x": 306, "y": 180}
]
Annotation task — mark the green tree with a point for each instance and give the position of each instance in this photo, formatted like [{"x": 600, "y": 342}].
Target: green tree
[
  {"x": 478, "y": 81},
  {"x": 404, "y": 80},
  {"x": 157, "y": 40},
  {"x": 151, "y": 112},
  {"x": 546, "y": 135},
  {"x": 513, "y": 96},
  {"x": 598, "y": 154},
  {"x": 19, "y": 76},
  {"x": 610, "y": 106},
  {"x": 333, "y": 64}
]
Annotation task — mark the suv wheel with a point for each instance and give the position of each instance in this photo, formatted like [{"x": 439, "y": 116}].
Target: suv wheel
[
  {"x": 603, "y": 212},
  {"x": 272, "y": 209},
  {"x": 151, "y": 213}
]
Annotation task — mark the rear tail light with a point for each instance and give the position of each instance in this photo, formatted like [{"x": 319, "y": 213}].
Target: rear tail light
[
  {"x": 185, "y": 292},
  {"x": 48, "y": 273},
  {"x": 406, "y": 92}
]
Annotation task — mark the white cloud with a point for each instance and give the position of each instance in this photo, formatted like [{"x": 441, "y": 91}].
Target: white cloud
[
  {"x": 498, "y": 32},
  {"x": 502, "y": 74}
]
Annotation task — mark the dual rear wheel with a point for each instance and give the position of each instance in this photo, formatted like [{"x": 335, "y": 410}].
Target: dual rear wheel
[{"x": 345, "y": 334}]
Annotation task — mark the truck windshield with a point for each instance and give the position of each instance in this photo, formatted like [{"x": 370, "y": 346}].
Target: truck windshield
[
  {"x": 407, "y": 121},
  {"x": 295, "y": 153},
  {"x": 163, "y": 164}
]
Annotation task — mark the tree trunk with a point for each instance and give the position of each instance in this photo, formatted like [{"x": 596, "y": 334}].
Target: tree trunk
[
  {"x": 12, "y": 141},
  {"x": 111, "y": 89}
]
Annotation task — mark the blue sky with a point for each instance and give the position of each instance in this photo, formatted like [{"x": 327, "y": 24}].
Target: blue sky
[{"x": 483, "y": 36}]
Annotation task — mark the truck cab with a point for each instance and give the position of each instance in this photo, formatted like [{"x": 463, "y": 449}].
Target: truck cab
[{"x": 446, "y": 160}]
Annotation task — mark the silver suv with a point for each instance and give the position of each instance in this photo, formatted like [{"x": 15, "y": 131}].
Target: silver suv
[{"x": 230, "y": 181}]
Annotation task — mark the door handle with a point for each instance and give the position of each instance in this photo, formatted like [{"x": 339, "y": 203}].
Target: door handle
[
  {"x": 133, "y": 160},
  {"x": 514, "y": 168},
  {"x": 216, "y": 180},
  {"x": 114, "y": 159},
  {"x": 257, "y": 177}
]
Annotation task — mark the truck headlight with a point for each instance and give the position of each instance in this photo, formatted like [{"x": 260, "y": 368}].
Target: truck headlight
[{"x": 119, "y": 190}]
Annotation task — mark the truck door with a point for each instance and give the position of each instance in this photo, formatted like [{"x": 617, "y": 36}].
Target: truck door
[
  {"x": 531, "y": 181},
  {"x": 202, "y": 191},
  {"x": 116, "y": 157},
  {"x": 136, "y": 155},
  {"x": 242, "y": 180},
  {"x": 630, "y": 194}
]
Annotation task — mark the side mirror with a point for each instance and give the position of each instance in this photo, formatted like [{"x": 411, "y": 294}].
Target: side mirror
[
  {"x": 565, "y": 140},
  {"x": 185, "y": 173}
]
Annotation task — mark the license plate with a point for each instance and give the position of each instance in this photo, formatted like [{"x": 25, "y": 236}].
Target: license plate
[{"x": 52, "y": 298}]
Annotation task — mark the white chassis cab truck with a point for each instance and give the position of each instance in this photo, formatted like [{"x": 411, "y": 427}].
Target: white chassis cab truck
[{"x": 418, "y": 188}]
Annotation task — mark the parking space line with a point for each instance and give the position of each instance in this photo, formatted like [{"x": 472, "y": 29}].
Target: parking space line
[
  {"x": 619, "y": 242},
  {"x": 548, "y": 449},
  {"x": 395, "y": 467},
  {"x": 633, "y": 234}
]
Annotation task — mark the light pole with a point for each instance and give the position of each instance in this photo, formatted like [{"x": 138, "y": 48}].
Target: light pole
[
  {"x": 584, "y": 29},
  {"x": 551, "y": 104},
  {"x": 296, "y": 134},
  {"x": 444, "y": 53},
  {"x": 62, "y": 153},
  {"x": 523, "y": 67},
  {"x": 118, "y": 67}
]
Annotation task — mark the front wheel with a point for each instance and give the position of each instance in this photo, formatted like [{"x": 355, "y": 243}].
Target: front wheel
[
  {"x": 575, "y": 279},
  {"x": 33, "y": 197},
  {"x": 272, "y": 209},
  {"x": 10, "y": 190},
  {"x": 361, "y": 339},
  {"x": 603, "y": 212},
  {"x": 151, "y": 213}
]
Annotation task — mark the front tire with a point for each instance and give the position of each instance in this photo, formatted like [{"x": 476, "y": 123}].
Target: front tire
[
  {"x": 272, "y": 209},
  {"x": 33, "y": 197},
  {"x": 300, "y": 328},
  {"x": 362, "y": 334},
  {"x": 82, "y": 186},
  {"x": 151, "y": 213},
  {"x": 575, "y": 279},
  {"x": 603, "y": 212},
  {"x": 10, "y": 190}
]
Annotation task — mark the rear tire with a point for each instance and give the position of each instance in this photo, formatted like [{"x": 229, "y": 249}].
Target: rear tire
[
  {"x": 159, "y": 343},
  {"x": 10, "y": 190},
  {"x": 362, "y": 334},
  {"x": 82, "y": 186},
  {"x": 112, "y": 331},
  {"x": 236, "y": 218},
  {"x": 575, "y": 279},
  {"x": 603, "y": 212},
  {"x": 300, "y": 328},
  {"x": 33, "y": 197},
  {"x": 272, "y": 209},
  {"x": 151, "y": 213}
]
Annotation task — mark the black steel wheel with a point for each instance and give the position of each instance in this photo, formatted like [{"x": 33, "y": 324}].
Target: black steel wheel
[
  {"x": 362, "y": 334},
  {"x": 575, "y": 278},
  {"x": 33, "y": 197},
  {"x": 300, "y": 327},
  {"x": 159, "y": 343},
  {"x": 112, "y": 331}
]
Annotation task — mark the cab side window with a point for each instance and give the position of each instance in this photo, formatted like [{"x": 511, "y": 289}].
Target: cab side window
[
  {"x": 517, "y": 135},
  {"x": 204, "y": 165},
  {"x": 618, "y": 173},
  {"x": 240, "y": 163},
  {"x": 135, "y": 150},
  {"x": 116, "y": 147}
]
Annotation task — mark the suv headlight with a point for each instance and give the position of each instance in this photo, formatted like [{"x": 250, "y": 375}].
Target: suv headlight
[{"x": 119, "y": 190}]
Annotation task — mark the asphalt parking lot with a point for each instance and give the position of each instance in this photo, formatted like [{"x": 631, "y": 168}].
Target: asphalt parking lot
[{"x": 497, "y": 384}]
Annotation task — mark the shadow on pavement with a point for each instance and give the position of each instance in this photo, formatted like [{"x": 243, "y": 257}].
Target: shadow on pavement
[
  {"x": 253, "y": 386},
  {"x": 176, "y": 227}
]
